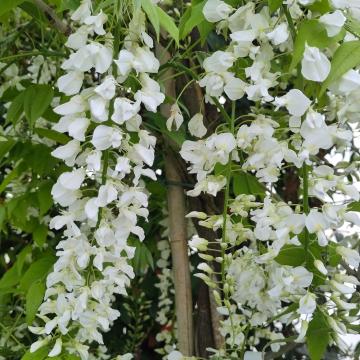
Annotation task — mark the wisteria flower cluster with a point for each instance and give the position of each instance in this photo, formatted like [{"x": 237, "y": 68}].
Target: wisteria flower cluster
[
  {"x": 102, "y": 194},
  {"x": 255, "y": 280}
]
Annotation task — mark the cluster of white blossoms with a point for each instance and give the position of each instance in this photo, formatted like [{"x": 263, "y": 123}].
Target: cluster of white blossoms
[
  {"x": 287, "y": 127},
  {"x": 102, "y": 194},
  {"x": 40, "y": 71}
]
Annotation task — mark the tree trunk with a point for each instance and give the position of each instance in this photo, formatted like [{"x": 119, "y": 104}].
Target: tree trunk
[
  {"x": 180, "y": 260},
  {"x": 178, "y": 230}
]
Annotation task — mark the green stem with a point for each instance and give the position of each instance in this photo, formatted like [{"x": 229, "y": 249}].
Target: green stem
[
  {"x": 111, "y": 110},
  {"x": 231, "y": 121},
  {"x": 32, "y": 53},
  {"x": 290, "y": 22},
  {"x": 227, "y": 189},
  {"x": 225, "y": 208},
  {"x": 305, "y": 169},
  {"x": 9, "y": 334},
  {"x": 306, "y": 209}
]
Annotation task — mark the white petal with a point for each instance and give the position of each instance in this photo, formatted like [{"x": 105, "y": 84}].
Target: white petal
[
  {"x": 72, "y": 180},
  {"x": 196, "y": 126},
  {"x": 235, "y": 89},
  {"x": 307, "y": 304},
  {"x": 56, "y": 350},
  {"x": 107, "y": 88},
  {"x": 315, "y": 65},
  {"x": 216, "y": 10},
  {"x": 252, "y": 355},
  {"x": 70, "y": 83},
  {"x": 98, "y": 108},
  {"x": 91, "y": 209},
  {"x": 124, "y": 110},
  {"x": 75, "y": 105},
  {"x": 78, "y": 127},
  {"x": 68, "y": 152},
  {"x": 333, "y": 22}
]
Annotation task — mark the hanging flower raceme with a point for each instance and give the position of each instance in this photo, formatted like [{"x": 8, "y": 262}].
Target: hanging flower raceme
[
  {"x": 102, "y": 195},
  {"x": 285, "y": 127}
]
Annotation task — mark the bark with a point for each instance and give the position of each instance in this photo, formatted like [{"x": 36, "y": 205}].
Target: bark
[
  {"x": 204, "y": 335},
  {"x": 207, "y": 317},
  {"x": 178, "y": 230},
  {"x": 180, "y": 261}
]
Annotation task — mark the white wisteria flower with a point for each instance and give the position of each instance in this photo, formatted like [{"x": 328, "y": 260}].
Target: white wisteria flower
[
  {"x": 68, "y": 152},
  {"x": 315, "y": 65},
  {"x": 216, "y": 10},
  {"x": 105, "y": 137},
  {"x": 196, "y": 126},
  {"x": 295, "y": 102},
  {"x": 333, "y": 22},
  {"x": 150, "y": 94},
  {"x": 307, "y": 304},
  {"x": 71, "y": 83},
  {"x": 175, "y": 117}
]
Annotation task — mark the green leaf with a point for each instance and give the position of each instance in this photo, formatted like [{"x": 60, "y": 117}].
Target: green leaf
[
  {"x": 37, "y": 98},
  {"x": 274, "y": 5},
  {"x": 39, "y": 159},
  {"x": 16, "y": 109},
  {"x": 5, "y": 147},
  {"x": 34, "y": 298},
  {"x": 334, "y": 257},
  {"x": 44, "y": 197},
  {"x": 205, "y": 29},
  {"x": 10, "y": 278},
  {"x": 353, "y": 26},
  {"x": 142, "y": 258},
  {"x": 34, "y": 12},
  {"x": 321, "y": 6},
  {"x": 68, "y": 5},
  {"x": 192, "y": 17},
  {"x": 346, "y": 57},
  {"x": 68, "y": 356},
  {"x": 291, "y": 255},
  {"x": 314, "y": 34},
  {"x": 13, "y": 174},
  {"x": 168, "y": 24},
  {"x": 40, "y": 235},
  {"x": 37, "y": 271},
  {"x": 7, "y": 5},
  {"x": 3, "y": 216},
  {"x": 354, "y": 206},
  {"x": 318, "y": 336},
  {"x": 152, "y": 14},
  {"x": 39, "y": 354},
  {"x": 52, "y": 135},
  {"x": 21, "y": 258},
  {"x": 244, "y": 183}
]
